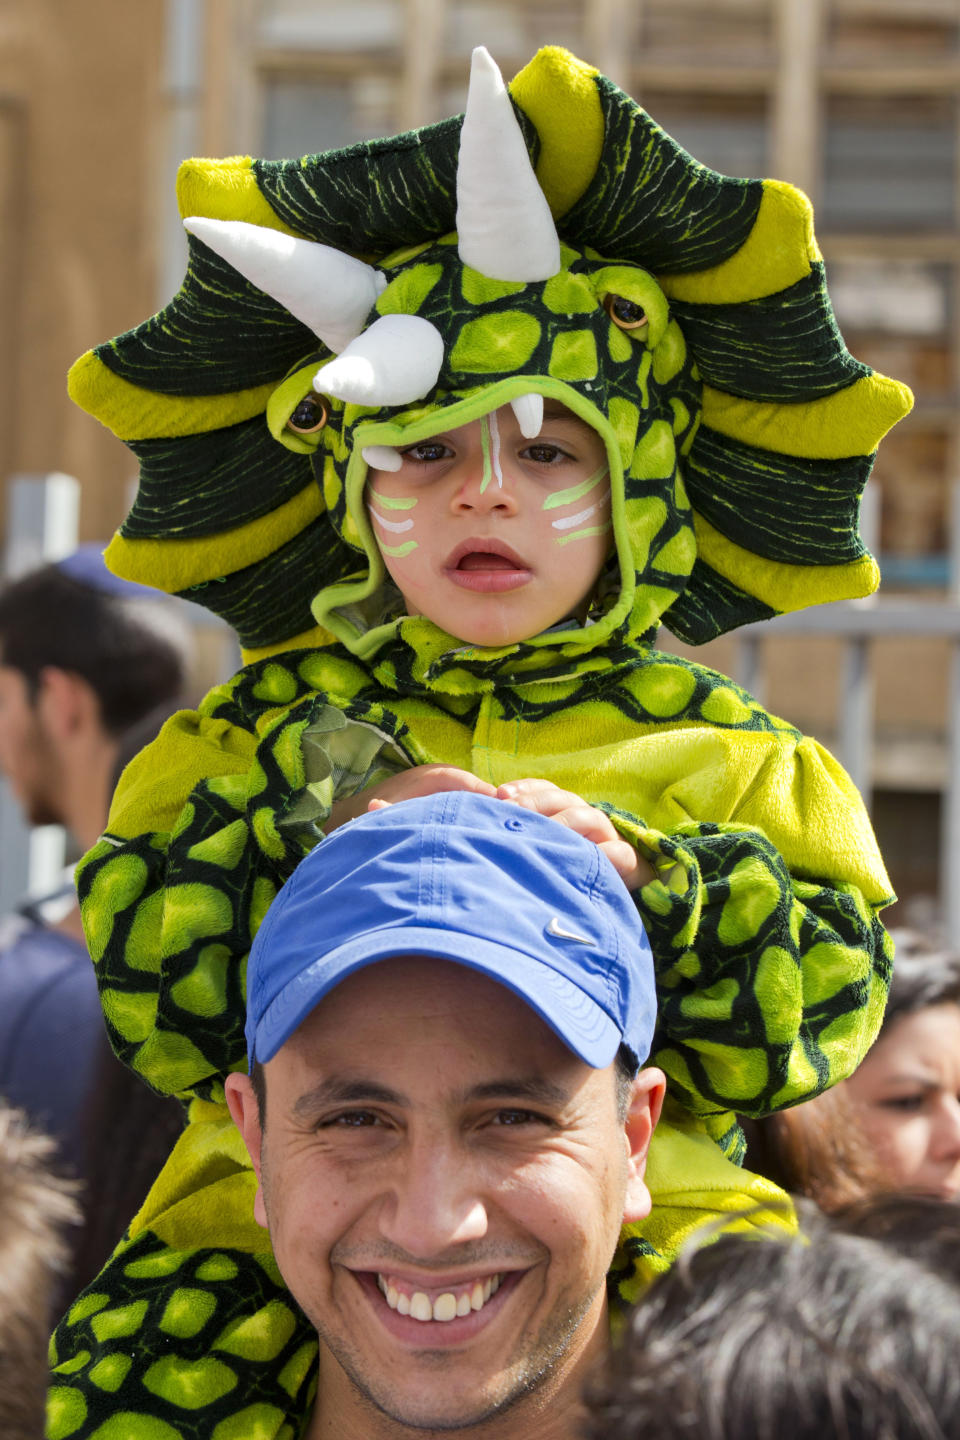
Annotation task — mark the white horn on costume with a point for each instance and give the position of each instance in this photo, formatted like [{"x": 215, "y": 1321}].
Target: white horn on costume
[
  {"x": 330, "y": 292},
  {"x": 395, "y": 361},
  {"x": 504, "y": 226}
]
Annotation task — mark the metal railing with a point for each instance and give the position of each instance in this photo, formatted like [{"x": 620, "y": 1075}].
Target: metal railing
[{"x": 858, "y": 625}]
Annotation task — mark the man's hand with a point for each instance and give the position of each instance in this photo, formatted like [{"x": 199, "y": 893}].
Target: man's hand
[
  {"x": 586, "y": 820},
  {"x": 406, "y": 785}
]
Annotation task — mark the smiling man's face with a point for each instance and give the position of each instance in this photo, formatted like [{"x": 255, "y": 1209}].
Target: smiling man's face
[
  {"x": 492, "y": 536},
  {"x": 444, "y": 1183}
]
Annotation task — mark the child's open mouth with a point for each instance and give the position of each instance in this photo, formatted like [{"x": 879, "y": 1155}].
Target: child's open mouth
[
  {"x": 485, "y": 560},
  {"x": 487, "y": 565}
]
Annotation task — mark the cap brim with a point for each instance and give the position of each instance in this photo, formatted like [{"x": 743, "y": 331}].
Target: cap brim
[{"x": 577, "y": 1020}]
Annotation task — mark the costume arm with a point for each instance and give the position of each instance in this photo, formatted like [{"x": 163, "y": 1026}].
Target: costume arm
[
  {"x": 207, "y": 824},
  {"x": 771, "y": 987}
]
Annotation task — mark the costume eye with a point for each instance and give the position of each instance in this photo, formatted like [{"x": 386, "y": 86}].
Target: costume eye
[
  {"x": 310, "y": 415},
  {"x": 625, "y": 314}
]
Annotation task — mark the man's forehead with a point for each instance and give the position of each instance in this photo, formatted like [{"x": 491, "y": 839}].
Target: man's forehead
[{"x": 354, "y": 1086}]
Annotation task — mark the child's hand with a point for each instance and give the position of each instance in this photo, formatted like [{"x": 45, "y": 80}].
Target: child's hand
[
  {"x": 406, "y": 785},
  {"x": 586, "y": 820}
]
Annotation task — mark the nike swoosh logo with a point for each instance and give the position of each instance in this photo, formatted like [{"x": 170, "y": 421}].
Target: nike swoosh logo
[{"x": 555, "y": 928}]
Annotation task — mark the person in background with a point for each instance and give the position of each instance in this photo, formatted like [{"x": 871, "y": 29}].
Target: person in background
[
  {"x": 36, "y": 1208},
  {"x": 895, "y": 1123},
  {"x": 90, "y": 666},
  {"x": 849, "y": 1331}
]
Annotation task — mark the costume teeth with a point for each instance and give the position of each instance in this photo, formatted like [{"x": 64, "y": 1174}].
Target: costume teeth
[
  {"x": 382, "y": 457},
  {"x": 529, "y": 412}
]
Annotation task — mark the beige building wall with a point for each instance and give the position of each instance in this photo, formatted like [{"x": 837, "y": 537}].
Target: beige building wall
[{"x": 80, "y": 107}]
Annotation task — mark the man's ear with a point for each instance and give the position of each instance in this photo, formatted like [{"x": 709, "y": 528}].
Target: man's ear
[
  {"x": 245, "y": 1112},
  {"x": 65, "y": 701},
  {"x": 646, "y": 1102}
]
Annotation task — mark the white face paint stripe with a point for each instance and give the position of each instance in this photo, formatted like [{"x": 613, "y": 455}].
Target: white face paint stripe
[
  {"x": 572, "y": 520},
  {"x": 396, "y": 527},
  {"x": 495, "y": 447}
]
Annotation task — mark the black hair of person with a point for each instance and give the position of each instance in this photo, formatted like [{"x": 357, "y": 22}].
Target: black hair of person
[
  {"x": 115, "y": 644},
  {"x": 834, "y": 1333},
  {"x": 924, "y": 974}
]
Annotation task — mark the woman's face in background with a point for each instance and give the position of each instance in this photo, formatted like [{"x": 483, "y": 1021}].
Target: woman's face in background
[{"x": 904, "y": 1102}]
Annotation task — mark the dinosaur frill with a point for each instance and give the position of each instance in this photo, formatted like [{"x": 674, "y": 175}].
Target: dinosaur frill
[{"x": 739, "y": 428}]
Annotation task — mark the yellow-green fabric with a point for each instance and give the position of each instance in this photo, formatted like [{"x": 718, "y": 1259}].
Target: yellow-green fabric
[
  {"x": 739, "y": 433},
  {"x": 771, "y": 963}
]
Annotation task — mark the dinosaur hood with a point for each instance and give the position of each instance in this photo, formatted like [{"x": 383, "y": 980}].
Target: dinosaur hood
[{"x": 554, "y": 243}]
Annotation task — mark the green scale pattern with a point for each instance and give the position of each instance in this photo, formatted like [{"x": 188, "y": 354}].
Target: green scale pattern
[
  {"x": 175, "y": 914},
  {"x": 739, "y": 946},
  {"x": 183, "y": 1345}
]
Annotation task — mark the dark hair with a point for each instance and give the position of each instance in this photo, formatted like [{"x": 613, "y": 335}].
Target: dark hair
[
  {"x": 921, "y": 1226},
  {"x": 625, "y": 1074},
  {"x": 924, "y": 974},
  {"x": 816, "y": 1150},
  {"x": 833, "y": 1333},
  {"x": 117, "y": 645},
  {"x": 36, "y": 1206}
]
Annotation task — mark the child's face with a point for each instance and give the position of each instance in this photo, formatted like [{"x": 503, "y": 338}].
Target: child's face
[{"x": 490, "y": 535}]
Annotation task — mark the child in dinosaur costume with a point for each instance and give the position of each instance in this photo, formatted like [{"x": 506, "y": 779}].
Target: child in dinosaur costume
[{"x": 577, "y": 269}]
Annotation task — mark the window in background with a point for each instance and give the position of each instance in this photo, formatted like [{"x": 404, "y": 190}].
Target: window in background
[
  {"x": 889, "y": 165},
  {"x": 728, "y": 133}
]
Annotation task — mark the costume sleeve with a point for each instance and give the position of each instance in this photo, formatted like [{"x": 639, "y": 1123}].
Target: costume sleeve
[
  {"x": 207, "y": 824},
  {"x": 771, "y": 987}
]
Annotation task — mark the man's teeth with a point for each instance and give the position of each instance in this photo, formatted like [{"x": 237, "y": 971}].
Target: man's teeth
[{"x": 448, "y": 1306}]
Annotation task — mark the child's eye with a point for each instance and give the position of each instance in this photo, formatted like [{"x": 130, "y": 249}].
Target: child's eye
[
  {"x": 544, "y": 454},
  {"x": 427, "y": 451}
]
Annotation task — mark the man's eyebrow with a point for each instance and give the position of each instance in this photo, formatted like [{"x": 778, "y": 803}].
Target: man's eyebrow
[
  {"x": 341, "y": 1091},
  {"x": 521, "y": 1087}
]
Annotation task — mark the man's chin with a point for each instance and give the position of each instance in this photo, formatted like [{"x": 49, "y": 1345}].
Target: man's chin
[{"x": 430, "y": 1400}]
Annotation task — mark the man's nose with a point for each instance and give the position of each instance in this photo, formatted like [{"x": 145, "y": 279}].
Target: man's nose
[{"x": 433, "y": 1202}]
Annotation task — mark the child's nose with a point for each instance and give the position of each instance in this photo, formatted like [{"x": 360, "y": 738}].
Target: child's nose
[{"x": 484, "y": 493}]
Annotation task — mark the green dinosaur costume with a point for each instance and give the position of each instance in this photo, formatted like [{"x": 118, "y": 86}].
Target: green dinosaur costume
[{"x": 683, "y": 315}]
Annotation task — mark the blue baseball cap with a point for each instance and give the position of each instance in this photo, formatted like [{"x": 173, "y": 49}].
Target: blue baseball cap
[{"x": 461, "y": 877}]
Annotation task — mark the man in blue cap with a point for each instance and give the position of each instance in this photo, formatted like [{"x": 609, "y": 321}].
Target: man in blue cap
[{"x": 448, "y": 1005}]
